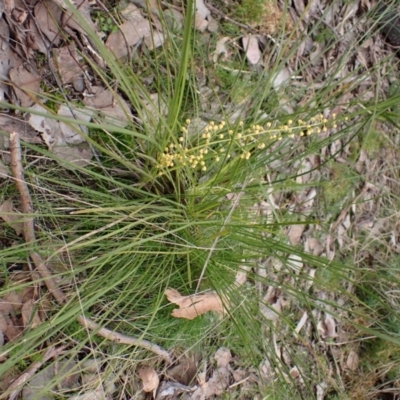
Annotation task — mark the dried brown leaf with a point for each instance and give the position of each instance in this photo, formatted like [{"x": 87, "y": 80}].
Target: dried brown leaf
[
  {"x": 192, "y": 306},
  {"x": 8, "y": 6},
  {"x": 12, "y": 124},
  {"x": 7, "y": 327},
  {"x": 68, "y": 64},
  {"x": 68, "y": 19},
  {"x": 48, "y": 17},
  {"x": 313, "y": 246},
  {"x": 185, "y": 371},
  {"x": 115, "y": 109},
  {"x": 200, "y": 23},
  {"x": 327, "y": 327},
  {"x": 30, "y": 315},
  {"x": 154, "y": 39},
  {"x": 294, "y": 233},
  {"x": 13, "y": 299},
  {"x": 252, "y": 50},
  {"x": 202, "y": 9},
  {"x": 149, "y": 378},
  {"x": 26, "y": 85},
  {"x": 4, "y": 34},
  {"x": 239, "y": 374},
  {"x": 212, "y": 24},
  {"x": 266, "y": 371},
  {"x": 74, "y": 134},
  {"x": 352, "y": 360},
  {"x": 8, "y": 61},
  {"x": 174, "y": 19},
  {"x": 12, "y": 218},
  {"x": 215, "y": 386},
  {"x": 129, "y": 34},
  {"x": 223, "y": 357},
  {"x": 59, "y": 135},
  {"x": 273, "y": 311}
]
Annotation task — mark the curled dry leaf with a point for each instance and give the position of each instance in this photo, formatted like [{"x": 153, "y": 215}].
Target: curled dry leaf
[
  {"x": 129, "y": 34},
  {"x": 154, "y": 39},
  {"x": 327, "y": 327},
  {"x": 70, "y": 20},
  {"x": 239, "y": 374},
  {"x": 272, "y": 304},
  {"x": 252, "y": 50},
  {"x": 174, "y": 19},
  {"x": 202, "y": 9},
  {"x": 192, "y": 306},
  {"x": 149, "y": 378},
  {"x": 352, "y": 361},
  {"x": 223, "y": 357}
]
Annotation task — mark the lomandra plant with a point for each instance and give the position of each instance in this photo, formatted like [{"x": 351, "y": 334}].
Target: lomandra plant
[{"x": 169, "y": 204}]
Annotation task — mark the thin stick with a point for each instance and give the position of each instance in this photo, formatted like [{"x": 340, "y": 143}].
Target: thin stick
[
  {"x": 28, "y": 223},
  {"x": 124, "y": 339},
  {"x": 40, "y": 264}
]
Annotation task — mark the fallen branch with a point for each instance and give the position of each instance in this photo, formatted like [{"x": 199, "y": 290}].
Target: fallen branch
[
  {"x": 40, "y": 264},
  {"x": 28, "y": 223},
  {"x": 124, "y": 339}
]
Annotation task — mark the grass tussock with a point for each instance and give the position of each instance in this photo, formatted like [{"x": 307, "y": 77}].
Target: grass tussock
[{"x": 245, "y": 199}]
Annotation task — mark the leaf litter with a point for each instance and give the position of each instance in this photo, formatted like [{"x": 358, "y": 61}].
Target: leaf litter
[{"x": 18, "y": 310}]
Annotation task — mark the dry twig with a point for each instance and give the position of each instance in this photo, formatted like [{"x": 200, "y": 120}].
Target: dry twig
[
  {"x": 28, "y": 223},
  {"x": 124, "y": 339},
  {"x": 40, "y": 264}
]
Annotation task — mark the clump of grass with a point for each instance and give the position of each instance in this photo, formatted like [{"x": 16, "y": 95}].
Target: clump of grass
[{"x": 174, "y": 224}]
